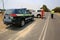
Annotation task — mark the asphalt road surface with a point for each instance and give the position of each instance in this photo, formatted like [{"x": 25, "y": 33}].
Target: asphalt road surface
[{"x": 40, "y": 29}]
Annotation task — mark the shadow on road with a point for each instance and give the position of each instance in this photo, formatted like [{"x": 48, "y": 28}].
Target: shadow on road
[
  {"x": 18, "y": 28},
  {"x": 44, "y": 18},
  {"x": 40, "y": 17}
]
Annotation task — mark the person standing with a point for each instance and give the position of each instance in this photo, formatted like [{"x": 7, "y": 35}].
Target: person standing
[
  {"x": 52, "y": 14},
  {"x": 42, "y": 13}
]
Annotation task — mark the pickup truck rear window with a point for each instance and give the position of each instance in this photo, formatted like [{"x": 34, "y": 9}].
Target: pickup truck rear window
[
  {"x": 9, "y": 11},
  {"x": 20, "y": 11},
  {"x": 15, "y": 11}
]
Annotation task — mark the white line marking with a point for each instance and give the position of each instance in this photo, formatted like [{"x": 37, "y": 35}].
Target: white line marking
[
  {"x": 44, "y": 28},
  {"x": 24, "y": 32}
]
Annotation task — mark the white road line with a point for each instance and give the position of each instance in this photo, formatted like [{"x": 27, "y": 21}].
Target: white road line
[
  {"x": 44, "y": 28},
  {"x": 24, "y": 32}
]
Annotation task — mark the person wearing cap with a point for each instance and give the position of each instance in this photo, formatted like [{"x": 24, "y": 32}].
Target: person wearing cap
[{"x": 52, "y": 14}]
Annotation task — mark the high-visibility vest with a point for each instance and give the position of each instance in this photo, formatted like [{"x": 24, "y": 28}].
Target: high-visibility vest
[{"x": 52, "y": 12}]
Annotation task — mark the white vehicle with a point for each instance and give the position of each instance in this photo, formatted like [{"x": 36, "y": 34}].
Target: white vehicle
[{"x": 37, "y": 14}]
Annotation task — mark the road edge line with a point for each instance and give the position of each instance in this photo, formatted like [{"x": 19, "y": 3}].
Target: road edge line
[
  {"x": 22, "y": 31},
  {"x": 44, "y": 28}
]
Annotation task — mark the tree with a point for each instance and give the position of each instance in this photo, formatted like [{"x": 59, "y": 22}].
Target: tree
[
  {"x": 45, "y": 8},
  {"x": 57, "y": 9},
  {"x": 2, "y": 11}
]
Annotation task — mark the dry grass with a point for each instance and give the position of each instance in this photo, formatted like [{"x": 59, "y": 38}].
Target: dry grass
[{"x": 2, "y": 25}]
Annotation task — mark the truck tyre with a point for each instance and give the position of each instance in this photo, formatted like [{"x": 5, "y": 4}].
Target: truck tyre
[
  {"x": 38, "y": 16},
  {"x": 32, "y": 19},
  {"x": 22, "y": 23}
]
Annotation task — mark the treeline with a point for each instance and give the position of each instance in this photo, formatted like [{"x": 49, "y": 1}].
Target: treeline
[
  {"x": 46, "y": 9},
  {"x": 2, "y": 11},
  {"x": 57, "y": 9}
]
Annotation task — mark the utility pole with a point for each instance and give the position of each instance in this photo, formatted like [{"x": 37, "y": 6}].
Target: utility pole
[
  {"x": 3, "y": 4},
  {"x": 3, "y": 7}
]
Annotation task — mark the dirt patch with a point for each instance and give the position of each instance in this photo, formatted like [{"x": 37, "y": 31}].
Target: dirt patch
[
  {"x": 2, "y": 25},
  {"x": 58, "y": 14}
]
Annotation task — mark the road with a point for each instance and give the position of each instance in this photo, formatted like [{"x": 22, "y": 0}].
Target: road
[{"x": 40, "y": 29}]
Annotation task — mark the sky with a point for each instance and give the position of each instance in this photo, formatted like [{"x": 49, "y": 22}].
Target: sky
[{"x": 30, "y": 4}]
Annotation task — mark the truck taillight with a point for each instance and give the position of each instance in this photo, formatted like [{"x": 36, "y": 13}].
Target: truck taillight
[{"x": 13, "y": 15}]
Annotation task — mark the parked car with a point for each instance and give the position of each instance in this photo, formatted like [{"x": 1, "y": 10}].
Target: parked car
[
  {"x": 17, "y": 16},
  {"x": 37, "y": 14}
]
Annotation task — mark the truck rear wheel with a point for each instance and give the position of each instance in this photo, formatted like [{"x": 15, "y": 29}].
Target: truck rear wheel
[
  {"x": 38, "y": 16},
  {"x": 22, "y": 23},
  {"x": 32, "y": 19}
]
